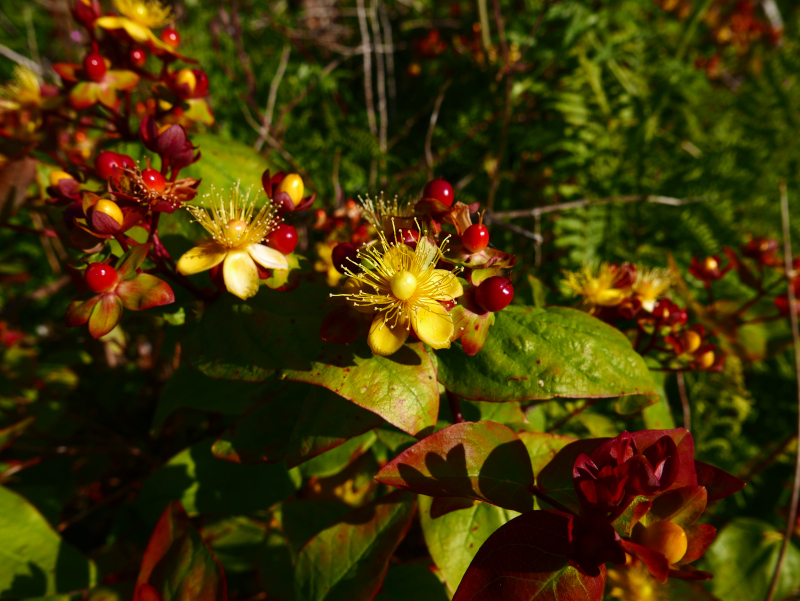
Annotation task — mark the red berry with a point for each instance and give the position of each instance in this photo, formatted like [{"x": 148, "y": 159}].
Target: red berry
[
  {"x": 283, "y": 238},
  {"x": 95, "y": 66},
  {"x": 100, "y": 277},
  {"x": 126, "y": 161},
  {"x": 494, "y": 293},
  {"x": 408, "y": 236},
  {"x": 202, "y": 83},
  {"x": 475, "y": 238},
  {"x": 170, "y": 37},
  {"x": 345, "y": 256},
  {"x": 154, "y": 180},
  {"x": 138, "y": 57},
  {"x": 106, "y": 162},
  {"x": 440, "y": 190}
]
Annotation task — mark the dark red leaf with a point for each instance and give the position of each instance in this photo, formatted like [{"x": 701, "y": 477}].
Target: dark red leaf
[
  {"x": 700, "y": 537},
  {"x": 682, "y": 505},
  {"x": 343, "y": 325},
  {"x": 718, "y": 483},
  {"x": 144, "y": 292},
  {"x": 656, "y": 563}
]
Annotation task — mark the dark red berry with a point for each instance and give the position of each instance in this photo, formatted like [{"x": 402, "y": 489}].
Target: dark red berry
[
  {"x": 126, "y": 161},
  {"x": 100, "y": 277},
  {"x": 95, "y": 66},
  {"x": 154, "y": 180},
  {"x": 345, "y": 256},
  {"x": 440, "y": 190},
  {"x": 106, "y": 162},
  {"x": 283, "y": 238},
  {"x": 138, "y": 57},
  {"x": 171, "y": 37},
  {"x": 494, "y": 293},
  {"x": 201, "y": 87},
  {"x": 408, "y": 236},
  {"x": 475, "y": 238}
]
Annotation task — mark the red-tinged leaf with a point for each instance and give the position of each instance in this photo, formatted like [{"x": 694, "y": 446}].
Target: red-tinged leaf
[
  {"x": 747, "y": 277},
  {"x": 443, "y": 505},
  {"x": 306, "y": 203},
  {"x": 14, "y": 431},
  {"x": 556, "y": 477},
  {"x": 343, "y": 325},
  {"x": 699, "y": 538},
  {"x": 132, "y": 260},
  {"x": 85, "y": 241},
  {"x": 488, "y": 257},
  {"x": 121, "y": 80},
  {"x": 107, "y": 95},
  {"x": 298, "y": 423},
  {"x": 178, "y": 564},
  {"x": 103, "y": 223},
  {"x": 349, "y": 559},
  {"x": 543, "y": 447},
  {"x": 471, "y": 323},
  {"x": 684, "y": 506},
  {"x": 480, "y": 460},
  {"x": 67, "y": 71},
  {"x": 632, "y": 514},
  {"x": 79, "y": 312},
  {"x": 144, "y": 291},
  {"x": 106, "y": 315},
  {"x": 719, "y": 484},
  {"x": 687, "y": 572},
  {"x": 527, "y": 559},
  {"x": 83, "y": 95},
  {"x": 685, "y": 444},
  {"x": 656, "y": 563}
]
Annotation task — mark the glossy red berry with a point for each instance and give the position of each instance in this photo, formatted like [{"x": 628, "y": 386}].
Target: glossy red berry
[
  {"x": 345, "y": 256},
  {"x": 100, "y": 277},
  {"x": 408, "y": 236},
  {"x": 494, "y": 293},
  {"x": 154, "y": 180},
  {"x": 475, "y": 238},
  {"x": 283, "y": 238},
  {"x": 138, "y": 57},
  {"x": 126, "y": 161},
  {"x": 440, "y": 190},
  {"x": 106, "y": 162},
  {"x": 95, "y": 66},
  {"x": 171, "y": 37}
]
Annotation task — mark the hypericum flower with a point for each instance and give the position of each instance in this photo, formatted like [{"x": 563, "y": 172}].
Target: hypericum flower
[
  {"x": 632, "y": 582},
  {"x": 650, "y": 285},
  {"x": 88, "y": 92},
  {"x": 404, "y": 290},
  {"x": 600, "y": 288},
  {"x": 23, "y": 90},
  {"x": 139, "y": 17},
  {"x": 384, "y": 214},
  {"x": 237, "y": 228}
]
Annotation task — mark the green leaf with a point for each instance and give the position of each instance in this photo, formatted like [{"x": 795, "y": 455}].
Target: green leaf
[
  {"x": 302, "y": 520},
  {"x": 178, "y": 564},
  {"x": 411, "y": 582},
  {"x": 349, "y": 559},
  {"x": 743, "y": 557},
  {"x": 205, "y": 484},
  {"x": 298, "y": 423},
  {"x": 190, "y": 389},
  {"x": 454, "y": 538},
  {"x": 483, "y": 460},
  {"x": 335, "y": 460},
  {"x": 236, "y": 542},
  {"x": 34, "y": 560},
  {"x": 658, "y": 415},
  {"x": 538, "y": 354},
  {"x": 225, "y": 162},
  {"x": 278, "y": 333},
  {"x": 14, "y": 431},
  {"x": 542, "y": 447}
]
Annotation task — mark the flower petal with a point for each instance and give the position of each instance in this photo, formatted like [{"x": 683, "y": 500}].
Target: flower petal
[
  {"x": 240, "y": 274},
  {"x": 432, "y": 324},
  {"x": 121, "y": 80},
  {"x": 139, "y": 33},
  {"x": 204, "y": 256},
  {"x": 267, "y": 257},
  {"x": 385, "y": 340},
  {"x": 451, "y": 287},
  {"x": 107, "y": 95}
]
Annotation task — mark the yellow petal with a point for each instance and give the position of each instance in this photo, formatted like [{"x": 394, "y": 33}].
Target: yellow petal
[
  {"x": 267, "y": 257},
  {"x": 432, "y": 324},
  {"x": 385, "y": 340},
  {"x": 204, "y": 256},
  {"x": 451, "y": 287},
  {"x": 240, "y": 274},
  {"x": 138, "y": 32}
]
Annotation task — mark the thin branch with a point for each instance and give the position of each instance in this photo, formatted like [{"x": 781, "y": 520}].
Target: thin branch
[
  {"x": 18, "y": 303},
  {"x": 266, "y": 123},
  {"x": 338, "y": 193},
  {"x": 483, "y": 11},
  {"x": 502, "y": 146},
  {"x": 586, "y": 202},
  {"x": 687, "y": 410},
  {"x": 381, "y": 78},
  {"x": 274, "y": 143},
  {"x": 492, "y": 218},
  {"x": 365, "y": 45},
  {"x": 537, "y": 229},
  {"x": 388, "y": 53},
  {"x": 792, "y": 517},
  {"x": 21, "y": 60},
  {"x": 432, "y": 126}
]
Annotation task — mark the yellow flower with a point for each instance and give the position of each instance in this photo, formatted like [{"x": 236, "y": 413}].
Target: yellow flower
[
  {"x": 632, "y": 582},
  {"x": 22, "y": 90},
  {"x": 650, "y": 285},
  {"x": 139, "y": 16},
  {"x": 404, "y": 290},
  {"x": 325, "y": 263},
  {"x": 597, "y": 289},
  {"x": 236, "y": 229},
  {"x": 381, "y": 212}
]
